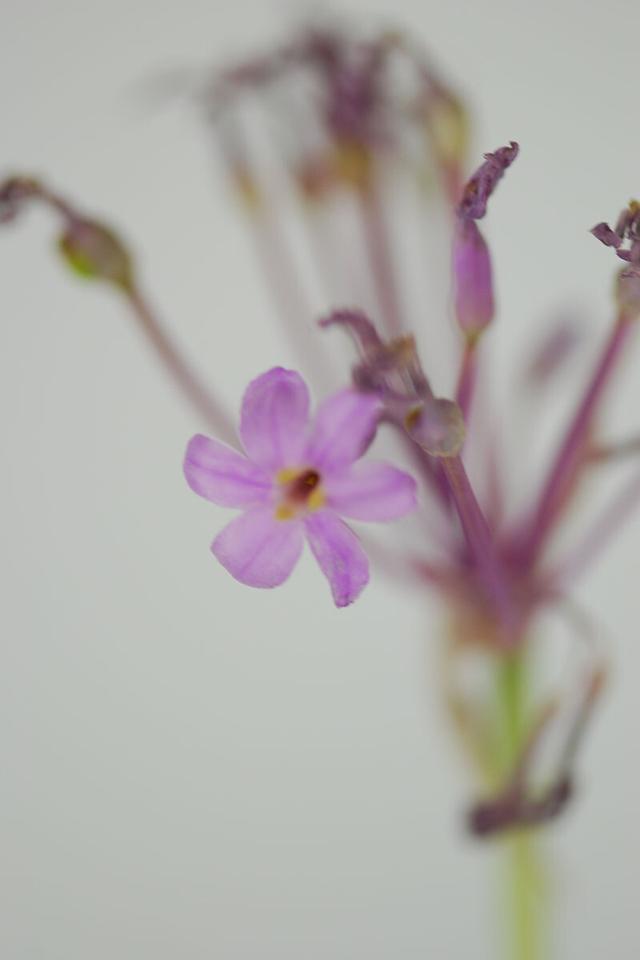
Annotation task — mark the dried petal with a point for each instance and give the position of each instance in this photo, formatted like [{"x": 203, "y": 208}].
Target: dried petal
[
  {"x": 627, "y": 230},
  {"x": 479, "y": 188}
]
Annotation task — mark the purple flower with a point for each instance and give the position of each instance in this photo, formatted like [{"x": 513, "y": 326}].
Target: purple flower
[{"x": 296, "y": 481}]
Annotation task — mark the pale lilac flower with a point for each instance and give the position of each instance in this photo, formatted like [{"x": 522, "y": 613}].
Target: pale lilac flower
[{"x": 296, "y": 481}]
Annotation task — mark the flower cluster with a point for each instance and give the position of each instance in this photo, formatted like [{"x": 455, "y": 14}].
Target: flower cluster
[{"x": 358, "y": 118}]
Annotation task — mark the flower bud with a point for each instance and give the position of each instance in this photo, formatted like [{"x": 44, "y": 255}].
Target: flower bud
[
  {"x": 437, "y": 427},
  {"x": 95, "y": 252},
  {"x": 472, "y": 278}
]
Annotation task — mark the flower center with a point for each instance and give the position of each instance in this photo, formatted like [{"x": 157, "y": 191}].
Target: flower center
[{"x": 301, "y": 492}]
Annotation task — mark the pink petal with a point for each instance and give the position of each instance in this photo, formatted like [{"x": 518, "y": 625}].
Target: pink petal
[
  {"x": 343, "y": 429},
  {"x": 338, "y": 551},
  {"x": 222, "y": 475},
  {"x": 371, "y": 491},
  {"x": 275, "y": 412},
  {"x": 259, "y": 550}
]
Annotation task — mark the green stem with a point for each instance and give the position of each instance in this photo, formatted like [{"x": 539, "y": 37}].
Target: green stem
[
  {"x": 524, "y": 893},
  {"x": 524, "y": 897}
]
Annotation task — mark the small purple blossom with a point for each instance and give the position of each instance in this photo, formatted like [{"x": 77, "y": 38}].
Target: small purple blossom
[{"x": 295, "y": 481}]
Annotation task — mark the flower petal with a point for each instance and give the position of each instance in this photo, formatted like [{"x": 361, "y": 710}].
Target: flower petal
[
  {"x": 338, "y": 551},
  {"x": 259, "y": 550},
  {"x": 371, "y": 491},
  {"x": 222, "y": 475},
  {"x": 275, "y": 412},
  {"x": 343, "y": 429}
]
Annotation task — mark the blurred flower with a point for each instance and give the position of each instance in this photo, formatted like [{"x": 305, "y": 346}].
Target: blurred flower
[{"x": 627, "y": 229}]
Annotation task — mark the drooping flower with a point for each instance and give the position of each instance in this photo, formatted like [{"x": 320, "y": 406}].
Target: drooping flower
[
  {"x": 296, "y": 480},
  {"x": 472, "y": 272}
]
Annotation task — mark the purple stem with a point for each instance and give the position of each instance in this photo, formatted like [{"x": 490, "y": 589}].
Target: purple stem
[
  {"x": 602, "y": 531},
  {"x": 380, "y": 258},
  {"x": 283, "y": 280},
  {"x": 568, "y": 459},
  {"x": 179, "y": 369},
  {"x": 467, "y": 379},
  {"x": 482, "y": 545},
  {"x": 156, "y": 336}
]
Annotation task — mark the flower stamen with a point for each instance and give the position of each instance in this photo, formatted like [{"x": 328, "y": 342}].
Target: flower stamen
[{"x": 303, "y": 492}]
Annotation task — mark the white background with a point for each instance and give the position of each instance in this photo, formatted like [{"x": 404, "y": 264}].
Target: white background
[{"x": 191, "y": 769}]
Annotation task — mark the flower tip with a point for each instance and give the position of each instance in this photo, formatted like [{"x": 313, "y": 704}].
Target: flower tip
[
  {"x": 13, "y": 193},
  {"x": 607, "y": 236},
  {"x": 342, "y": 600},
  {"x": 475, "y": 196},
  {"x": 625, "y": 237}
]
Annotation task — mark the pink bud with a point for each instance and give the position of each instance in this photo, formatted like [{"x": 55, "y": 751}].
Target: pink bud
[{"x": 472, "y": 278}]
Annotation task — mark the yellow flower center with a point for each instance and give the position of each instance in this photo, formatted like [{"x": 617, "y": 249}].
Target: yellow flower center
[{"x": 301, "y": 492}]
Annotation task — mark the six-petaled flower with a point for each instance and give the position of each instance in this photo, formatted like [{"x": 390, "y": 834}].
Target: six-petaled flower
[{"x": 296, "y": 481}]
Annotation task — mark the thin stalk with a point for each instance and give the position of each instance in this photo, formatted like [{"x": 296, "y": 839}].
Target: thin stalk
[
  {"x": 283, "y": 280},
  {"x": 525, "y": 939},
  {"x": 178, "y": 368},
  {"x": 467, "y": 378},
  {"x": 523, "y": 901},
  {"x": 272, "y": 250},
  {"x": 566, "y": 465},
  {"x": 380, "y": 258},
  {"x": 601, "y": 531},
  {"x": 482, "y": 545}
]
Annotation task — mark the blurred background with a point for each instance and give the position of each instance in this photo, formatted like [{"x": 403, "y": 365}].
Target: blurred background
[{"x": 191, "y": 769}]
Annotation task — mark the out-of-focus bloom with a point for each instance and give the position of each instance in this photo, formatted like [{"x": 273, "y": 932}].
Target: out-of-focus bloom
[
  {"x": 627, "y": 230},
  {"x": 296, "y": 480}
]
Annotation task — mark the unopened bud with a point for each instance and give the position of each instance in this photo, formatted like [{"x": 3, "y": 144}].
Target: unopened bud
[
  {"x": 472, "y": 278},
  {"x": 95, "y": 252},
  {"x": 437, "y": 427}
]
